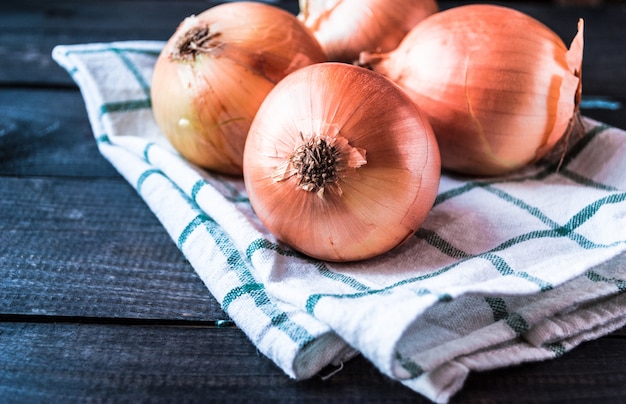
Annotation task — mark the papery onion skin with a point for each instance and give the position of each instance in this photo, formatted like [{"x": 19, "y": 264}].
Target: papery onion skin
[
  {"x": 388, "y": 177},
  {"x": 345, "y": 28},
  {"x": 204, "y": 103},
  {"x": 499, "y": 88}
]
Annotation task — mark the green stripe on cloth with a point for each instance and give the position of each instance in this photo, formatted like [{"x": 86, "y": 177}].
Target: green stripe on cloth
[
  {"x": 558, "y": 349},
  {"x": 145, "y": 86},
  {"x": 543, "y": 285},
  {"x": 498, "y": 262},
  {"x": 590, "y": 210},
  {"x": 232, "y": 196},
  {"x": 264, "y": 244},
  {"x": 498, "y": 307},
  {"x": 314, "y": 299},
  {"x": 311, "y": 302},
  {"x": 146, "y": 151},
  {"x": 190, "y": 228},
  {"x": 124, "y": 106},
  {"x": 249, "y": 287},
  {"x": 596, "y": 277},
  {"x": 104, "y": 138},
  {"x": 585, "y": 181},
  {"x": 196, "y": 189},
  {"x": 536, "y": 212},
  {"x": 254, "y": 290},
  {"x": 409, "y": 365},
  {"x": 517, "y": 323},
  {"x": 501, "y": 313},
  {"x": 439, "y": 243},
  {"x": 144, "y": 176}
]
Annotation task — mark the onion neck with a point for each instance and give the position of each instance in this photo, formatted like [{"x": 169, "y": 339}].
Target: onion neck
[
  {"x": 319, "y": 162},
  {"x": 194, "y": 41},
  {"x": 315, "y": 163},
  {"x": 378, "y": 62}
]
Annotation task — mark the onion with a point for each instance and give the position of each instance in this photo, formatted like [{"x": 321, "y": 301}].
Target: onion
[
  {"x": 499, "y": 88},
  {"x": 344, "y": 28},
  {"x": 215, "y": 71},
  {"x": 347, "y": 170}
]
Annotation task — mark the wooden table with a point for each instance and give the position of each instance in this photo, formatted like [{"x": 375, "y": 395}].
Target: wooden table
[{"x": 97, "y": 303}]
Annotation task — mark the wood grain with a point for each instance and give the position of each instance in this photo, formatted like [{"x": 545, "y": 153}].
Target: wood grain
[
  {"x": 46, "y": 132},
  {"x": 77, "y": 247},
  {"x": 64, "y": 362},
  {"x": 97, "y": 303}
]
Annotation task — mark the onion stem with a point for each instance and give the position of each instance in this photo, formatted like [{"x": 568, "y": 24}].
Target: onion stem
[
  {"x": 197, "y": 40},
  {"x": 316, "y": 164}
]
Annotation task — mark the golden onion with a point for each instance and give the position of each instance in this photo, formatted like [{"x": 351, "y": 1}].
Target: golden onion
[
  {"x": 345, "y": 28},
  {"x": 500, "y": 89},
  {"x": 347, "y": 170},
  {"x": 215, "y": 71}
]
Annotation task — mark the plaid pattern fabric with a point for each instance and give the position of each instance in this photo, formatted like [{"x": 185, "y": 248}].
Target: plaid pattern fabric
[{"x": 507, "y": 270}]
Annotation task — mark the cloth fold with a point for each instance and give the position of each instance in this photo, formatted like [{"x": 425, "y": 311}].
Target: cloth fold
[{"x": 503, "y": 271}]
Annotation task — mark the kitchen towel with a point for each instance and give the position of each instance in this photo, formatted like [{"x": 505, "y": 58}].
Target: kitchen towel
[{"x": 504, "y": 270}]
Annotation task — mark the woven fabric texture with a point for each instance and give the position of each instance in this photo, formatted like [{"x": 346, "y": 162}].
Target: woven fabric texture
[{"x": 506, "y": 270}]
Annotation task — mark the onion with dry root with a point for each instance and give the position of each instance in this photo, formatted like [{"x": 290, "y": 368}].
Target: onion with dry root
[
  {"x": 215, "y": 71},
  {"x": 499, "y": 88},
  {"x": 345, "y": 28},
  {"x": 340, "y": 164}
]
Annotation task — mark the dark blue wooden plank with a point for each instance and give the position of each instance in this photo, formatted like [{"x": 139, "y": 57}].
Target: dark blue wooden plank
[
  {"x": 92, "y": 248},
  {"x": 70, "y": 362},
  {"x": 86, "y": 362},
  {"x": 29, "y": 29},
  {"x": 47, "y": 133}
]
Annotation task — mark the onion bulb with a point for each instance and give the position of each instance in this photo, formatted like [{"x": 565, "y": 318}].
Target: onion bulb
[
  {"x": 345, "y": 28},
  {"x": 347, "y": 170},
  {"x": 215, "y": 71},
  {"x": 500, "y": 89}
]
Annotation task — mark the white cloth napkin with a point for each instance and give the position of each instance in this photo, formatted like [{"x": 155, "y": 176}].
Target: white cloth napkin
[{"x": 503, "y": 271}]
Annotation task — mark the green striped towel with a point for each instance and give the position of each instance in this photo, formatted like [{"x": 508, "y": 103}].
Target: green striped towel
[{"x": 503, "y": 271}]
